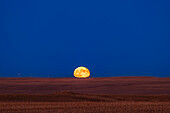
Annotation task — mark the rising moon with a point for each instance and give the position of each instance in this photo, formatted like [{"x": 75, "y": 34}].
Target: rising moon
[{"x": 81, "y": 72}]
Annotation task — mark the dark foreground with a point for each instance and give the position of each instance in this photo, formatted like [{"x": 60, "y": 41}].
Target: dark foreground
[
  {"x": 68, "y": 102},
  {"x": 85, "y": 107},
  {"x": 91, "y": 95},
  {"x": 105, "y": 85}
]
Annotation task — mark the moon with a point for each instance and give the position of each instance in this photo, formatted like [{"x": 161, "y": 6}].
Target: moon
[{"x": 81, "y": 72}]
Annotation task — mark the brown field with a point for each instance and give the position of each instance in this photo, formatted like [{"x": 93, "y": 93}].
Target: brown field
[
  {"x": 106, "y": 85},
  {"x": 114, "y": 94},
  {"x": 84, "y": 103},
  {"x": 85, "y": 107}
]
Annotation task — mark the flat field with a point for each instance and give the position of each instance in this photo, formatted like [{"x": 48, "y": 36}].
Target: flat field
[
  {"x": 97, "y": 95},
  {"x": 105, "y": 85},
  {"x": 68, "y": 102},
  {"x": 85, "y": 107}
]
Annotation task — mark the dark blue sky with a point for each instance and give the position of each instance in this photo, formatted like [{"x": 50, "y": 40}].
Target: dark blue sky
[{"x": 111, "y": 38}]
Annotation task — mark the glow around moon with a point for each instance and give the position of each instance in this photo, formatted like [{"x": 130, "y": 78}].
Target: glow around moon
[{"x": 81, "y": 72}]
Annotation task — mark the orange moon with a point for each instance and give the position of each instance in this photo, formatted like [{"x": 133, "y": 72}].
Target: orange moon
[{"x": 81, "y": 72}]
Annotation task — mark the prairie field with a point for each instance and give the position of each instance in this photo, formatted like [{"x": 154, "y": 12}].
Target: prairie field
[
  {"x": 85, "y": 107},
  {"x": 68, "y": 102},
  {"x": 91, "y": 95},
  {"x": 103, "y": 85}
]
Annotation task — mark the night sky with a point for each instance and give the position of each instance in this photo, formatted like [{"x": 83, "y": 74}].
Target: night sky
[{"x": 42, "y": 38}]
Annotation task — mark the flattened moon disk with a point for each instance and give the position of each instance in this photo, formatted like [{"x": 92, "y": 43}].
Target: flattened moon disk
[{"x": 81, "y": 72}]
